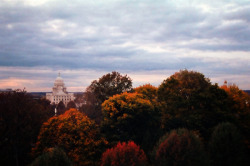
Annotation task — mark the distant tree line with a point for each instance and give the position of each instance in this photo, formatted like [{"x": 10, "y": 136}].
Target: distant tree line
[{"x": 186, "y": 120}]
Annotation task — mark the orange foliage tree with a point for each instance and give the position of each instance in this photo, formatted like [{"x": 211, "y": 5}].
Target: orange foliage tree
[
  {"x": 76, "y": 134},
  {"x": 148, "y": 91},
  {"x": 124, "y": 154},
  {"x": 129, "y": 116}
]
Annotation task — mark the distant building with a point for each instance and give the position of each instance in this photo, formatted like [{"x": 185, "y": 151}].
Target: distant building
[{"x": 59, "y": 93}]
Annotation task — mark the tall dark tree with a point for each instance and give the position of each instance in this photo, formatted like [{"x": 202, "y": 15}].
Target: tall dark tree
[
  {"x": 189, "y": 100},
  {"x": 101, "y": 89},
  {"x": 60, "y": 108},
  {"x": 20, "y": 120},
  {"x": 71, "y": 104}
]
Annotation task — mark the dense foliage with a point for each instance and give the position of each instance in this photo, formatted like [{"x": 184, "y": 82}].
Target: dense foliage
[
  {"x": 240, "y": 104},
  {"x": 76, "y": 134},
  {"x": 124, "y": 154},
  {"x": 226, "y": 146},
  {"x": 100, "y": 90},
  {"x": 189, "y": 100},
  {"x": 20, "y": 120},
  {"x": 53, "y": 157},
  {"x": 129, "y": 116},
  {"x": 140, "y": 116},
  {"x": 181, "y": 147}
]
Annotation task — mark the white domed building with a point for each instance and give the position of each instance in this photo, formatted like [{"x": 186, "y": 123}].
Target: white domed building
[{"x": 59, "y": 93}]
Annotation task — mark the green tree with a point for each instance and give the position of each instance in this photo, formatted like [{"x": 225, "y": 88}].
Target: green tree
[
  {"x": 20, "y": 120},
  {"x": 76, "y": 134},
  {"x": 100, "y": 90},
  {"x": 226, "y": 146},
  {"x": 180, "y": 147},
  {"x": 128, "y": 116},
  {"x": 189, "y": 100},
  {"x": 124, "y": 154},
  {"x": 53, "y": 157}
]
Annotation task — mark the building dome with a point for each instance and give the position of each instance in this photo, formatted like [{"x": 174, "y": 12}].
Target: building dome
[
  {"x": 59, "y": 81},
  {"x": 59, "y": 92}
]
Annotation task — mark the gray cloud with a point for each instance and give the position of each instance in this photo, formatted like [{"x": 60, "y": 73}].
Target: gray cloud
[{"x": 125, "y": 36}]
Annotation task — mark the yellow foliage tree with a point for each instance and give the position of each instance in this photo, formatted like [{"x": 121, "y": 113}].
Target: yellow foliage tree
[{"x": 129, "y": 116}]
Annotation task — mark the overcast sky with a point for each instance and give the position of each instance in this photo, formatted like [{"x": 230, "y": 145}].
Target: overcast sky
[{"x": 148, "y": 40}]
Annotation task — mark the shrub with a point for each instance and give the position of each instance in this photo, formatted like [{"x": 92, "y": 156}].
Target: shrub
[
  {"x": 124, "y": 154},
  {"x": 54, "y": 157}
]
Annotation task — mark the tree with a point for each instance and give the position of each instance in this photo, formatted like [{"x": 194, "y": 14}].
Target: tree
[
  {"x": 76, "y": 134},
  {"x": 20, "y": 120},
  {"x": 60, "y": 108},
  {"x": 189, "y": 100},
  {"x": 240, "y": 104},
  {"x": 124, "y": 154},
  {"x": 226, "y": 146},
  {"x": 54, "y": 157},
  {"x": 180, "y": 147},
  {"x": 71, "y": 104},
  {"x": 128, "y": 116},
  {"x": 100, "y": 90},
  {"x": 148, "y": 91}
]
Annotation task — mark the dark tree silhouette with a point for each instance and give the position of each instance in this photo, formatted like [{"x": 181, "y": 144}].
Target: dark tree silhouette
[
  {"x": 71, "y": 104},
  {"x": 20, "y": 120},
  {"x": 60, "y": 108},
  {"x": 226, "y": 146}
]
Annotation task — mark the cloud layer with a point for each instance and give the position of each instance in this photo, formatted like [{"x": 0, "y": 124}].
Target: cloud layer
[{"x": 157, "y": 37}]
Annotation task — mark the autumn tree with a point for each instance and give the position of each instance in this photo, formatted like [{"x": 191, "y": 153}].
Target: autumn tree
[
  {"x": 240, "y": 104},
  {"x": 20, "y": 120},
  {"x": 129, "y": 116},
  {"x": 124, "y": 154},
  {"x": 189, "y": 100},
  {"x": 180, "y": 147},
  {"x": 53, "y": 157},
  {"x": 148, "y": 91},
  {"x": 100, "y": 90},
  {"x": 226, "y": 146},
  {"x": 76, "y": 134}
]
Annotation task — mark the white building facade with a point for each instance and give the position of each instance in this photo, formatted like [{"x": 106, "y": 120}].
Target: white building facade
[{"x": 59, "y": 93}]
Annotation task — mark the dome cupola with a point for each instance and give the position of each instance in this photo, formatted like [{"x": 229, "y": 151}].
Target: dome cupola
[{"x": 59, "y": 81}]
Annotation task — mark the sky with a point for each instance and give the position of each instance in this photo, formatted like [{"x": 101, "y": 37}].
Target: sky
[{"x": 149, "y": 40}]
